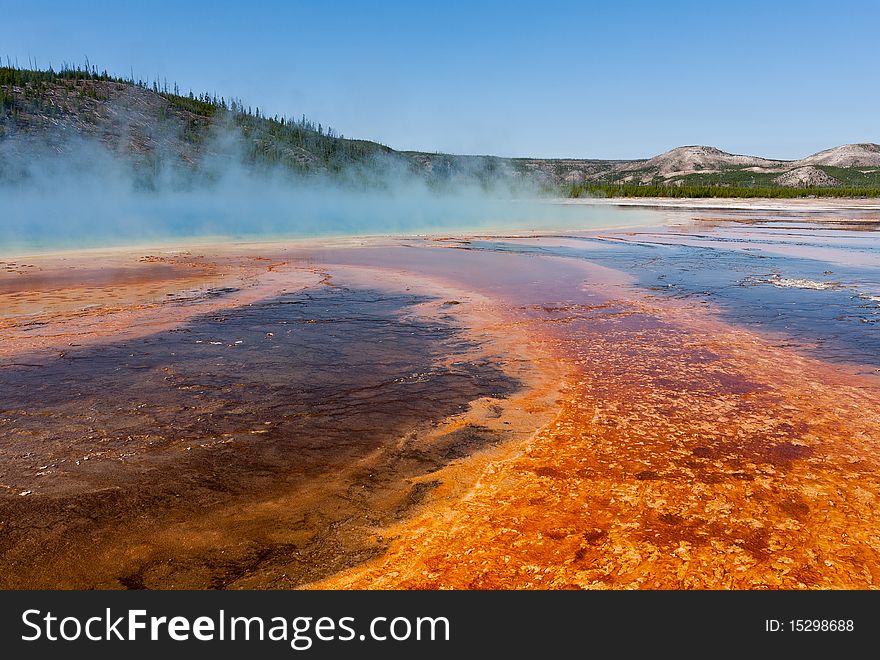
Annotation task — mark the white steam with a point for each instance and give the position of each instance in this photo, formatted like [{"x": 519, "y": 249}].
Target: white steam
[{"x": 66, "y": 193}]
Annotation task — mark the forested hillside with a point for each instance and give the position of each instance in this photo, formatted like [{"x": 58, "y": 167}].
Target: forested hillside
[{"x": 154, "y": 124}]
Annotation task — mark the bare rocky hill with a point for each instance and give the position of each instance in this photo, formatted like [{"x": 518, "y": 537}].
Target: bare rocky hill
[
  {"x": 803, "y": 177},
  {"x": 848, "y": 155},
  {"x": 699, "y": 159},
  {"x": 854, "y": 164},
  {"x": 125, "y": 118}
]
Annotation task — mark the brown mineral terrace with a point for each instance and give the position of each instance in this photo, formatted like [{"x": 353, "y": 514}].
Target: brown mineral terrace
[
  {"x": 651, "y": 444},
  {"x": 181, "y": 477}
]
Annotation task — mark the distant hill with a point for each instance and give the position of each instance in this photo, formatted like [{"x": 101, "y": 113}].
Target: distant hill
[
  {"x": 807, "y": 176},
  {"x": 148, "y": 123},
  {"x": 855, "y": 165},
  {"x": 848, "y": 155},
  {"x": 698, "y": 159}
]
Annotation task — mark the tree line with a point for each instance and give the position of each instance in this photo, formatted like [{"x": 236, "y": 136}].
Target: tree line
[
  {"x": 680, "y": 191},
  {"x": 298, "y": 142}
]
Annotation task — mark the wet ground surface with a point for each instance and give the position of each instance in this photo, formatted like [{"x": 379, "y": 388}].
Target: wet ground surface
[
  {"x": 261, "y": 443},
  {"x": 692, "y": 448},
  {"x": 814, "y": 287},
  {"x": 698, "y": 427}
]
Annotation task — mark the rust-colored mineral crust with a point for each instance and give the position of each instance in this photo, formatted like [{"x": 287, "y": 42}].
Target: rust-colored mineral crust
[
  {"x": 672, "y": 450},
  {"x": 686, "y": 454}
]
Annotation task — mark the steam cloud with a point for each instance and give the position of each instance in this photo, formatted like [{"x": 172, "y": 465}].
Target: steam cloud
[{"x": 61, "y": 192}]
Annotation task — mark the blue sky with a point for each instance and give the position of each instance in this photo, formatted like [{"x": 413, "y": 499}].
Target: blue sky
[{"x": 550, "y": 79}]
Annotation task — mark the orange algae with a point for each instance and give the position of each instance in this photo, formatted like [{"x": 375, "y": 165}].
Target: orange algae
[
  {"x": 686, "y": 454},
  {"x": 674, "y": 451}
]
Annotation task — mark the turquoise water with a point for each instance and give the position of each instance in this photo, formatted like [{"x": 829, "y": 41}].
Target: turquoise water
[
  {"x": 40, "y": 221},
  {"x": 86, "y": 196}
]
